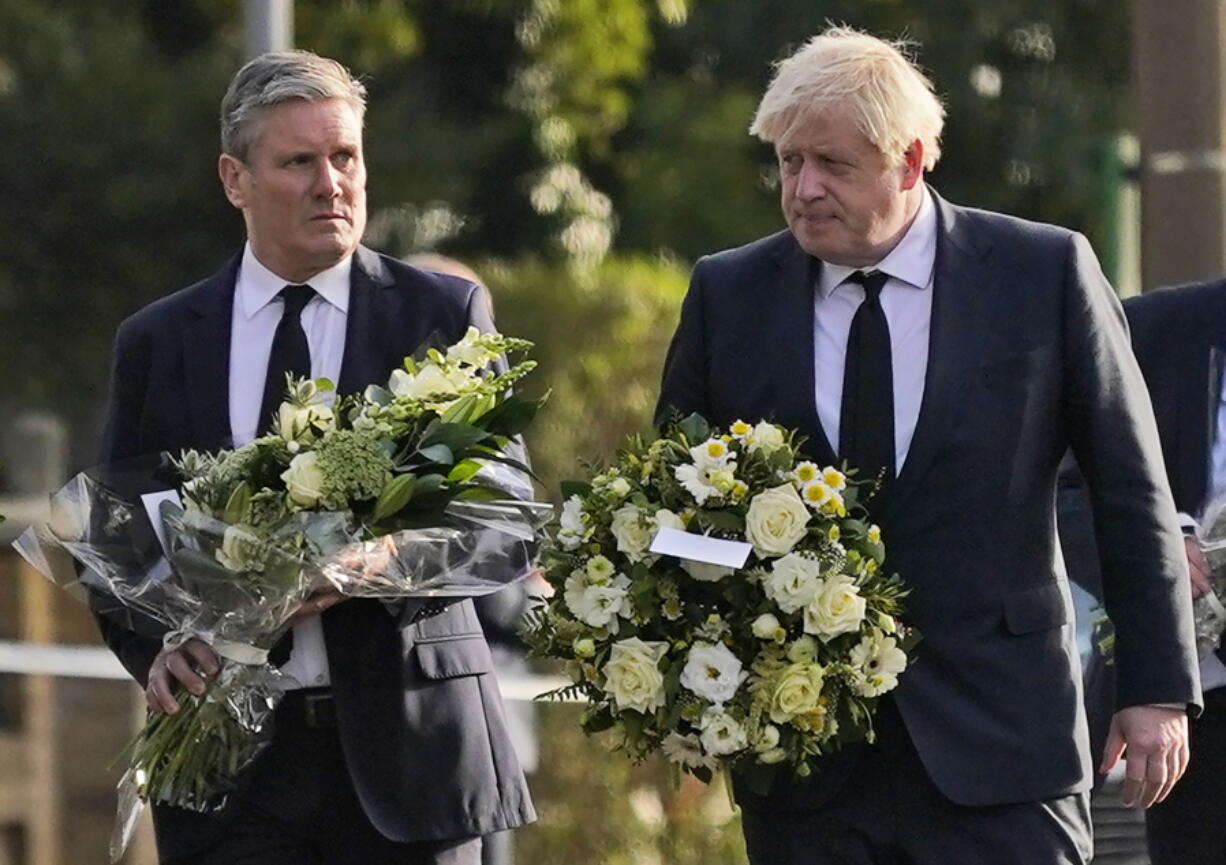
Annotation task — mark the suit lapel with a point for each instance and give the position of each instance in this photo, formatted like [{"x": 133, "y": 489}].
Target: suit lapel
[
  {"x": 206, "y": 360},
  {"x": 365, "y": 359},
  {"x": 955, "y": 343},
  {"x": 793, "y": 349}
]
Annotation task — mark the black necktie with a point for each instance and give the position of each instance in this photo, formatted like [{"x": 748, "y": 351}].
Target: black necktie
[
  {"x": 290, "y": 352},
  {"x": 866, "y": 425}
]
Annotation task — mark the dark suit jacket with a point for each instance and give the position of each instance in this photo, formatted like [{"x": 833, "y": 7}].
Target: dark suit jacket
[
  {"x": 1178, "y": 335},
  {"x": 419, "y": 713},
  {"x": 1028, "y": 356}
]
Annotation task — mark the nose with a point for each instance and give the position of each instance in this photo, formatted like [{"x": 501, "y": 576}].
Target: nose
[
  {"x": 328, "y": 183},
  {"x": 810, "y": 184}
]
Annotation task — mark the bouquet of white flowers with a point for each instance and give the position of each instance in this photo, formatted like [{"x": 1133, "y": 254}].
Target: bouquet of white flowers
[
  {"x": 412, "y": 490},
  {"x": 776, "y": 658}
]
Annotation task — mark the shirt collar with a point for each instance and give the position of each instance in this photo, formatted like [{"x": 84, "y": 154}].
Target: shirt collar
[
  {"x": 910, "y": 262},
  {"x": 258, "y": 286}
]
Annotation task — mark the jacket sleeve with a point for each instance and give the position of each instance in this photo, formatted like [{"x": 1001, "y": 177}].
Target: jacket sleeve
[
  {"x": 120, "y": 440},
  {"x": 1115, "y": 440},
  {"x": 684, "y": 389}
]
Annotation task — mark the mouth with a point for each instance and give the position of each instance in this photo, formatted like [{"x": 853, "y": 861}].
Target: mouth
[{"x": 330, "y": 217}]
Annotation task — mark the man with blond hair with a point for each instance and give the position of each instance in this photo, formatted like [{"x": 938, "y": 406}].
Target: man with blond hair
[
  {"x": 391, "y": 748},
  {"x": 955, "y": 354}
]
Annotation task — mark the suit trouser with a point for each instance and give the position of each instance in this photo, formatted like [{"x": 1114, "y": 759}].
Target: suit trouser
[
  {"x": 1188, "y": 827},
  {"x": 889, "y": 812},
  {"x": 297, "y": 806}
]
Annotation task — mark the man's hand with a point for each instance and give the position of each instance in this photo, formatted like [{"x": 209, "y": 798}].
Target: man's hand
[
  {"x": 1155, "y": 740},
  {"x": 1198, "y": 566},
  {"x": 316, "y": 604},
  {"x": 186, "y": 666}
]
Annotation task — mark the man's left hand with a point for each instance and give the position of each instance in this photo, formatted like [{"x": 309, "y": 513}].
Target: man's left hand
[
  {"x": 1155, "y": 741},
  {"x": 316, "y": 604}
]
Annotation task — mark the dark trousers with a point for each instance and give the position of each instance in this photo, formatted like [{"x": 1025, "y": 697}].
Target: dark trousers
[
  {"x": 1189, "y": 828},
  {"x": 297, "y": 806},
  {"x": 888, "y": 812}
]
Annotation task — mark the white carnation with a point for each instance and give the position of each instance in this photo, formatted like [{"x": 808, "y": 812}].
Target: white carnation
[
  {"x": 721, "y": 733},
  {"x": 712, "y": 672}
]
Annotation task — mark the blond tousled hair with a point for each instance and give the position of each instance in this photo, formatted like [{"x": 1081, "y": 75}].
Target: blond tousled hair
[{"x": 891, "y": 100}]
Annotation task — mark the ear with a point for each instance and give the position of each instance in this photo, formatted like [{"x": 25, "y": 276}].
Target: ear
[
  {"x": 230, "y": 170},
  {"x": 913, "y": 165}
]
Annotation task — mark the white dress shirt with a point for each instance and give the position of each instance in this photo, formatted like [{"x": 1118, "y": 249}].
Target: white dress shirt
[
  {"x": 257, "y": 312},
  {"x": 906, "y": 299}
]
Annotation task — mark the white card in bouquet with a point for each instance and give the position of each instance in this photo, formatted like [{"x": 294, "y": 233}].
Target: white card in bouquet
[
  {"x": 700, "y": 548},
  {"x": 153, "y": 503}
]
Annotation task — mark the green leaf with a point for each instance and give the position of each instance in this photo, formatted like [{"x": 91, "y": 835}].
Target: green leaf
[
  {"x": 378, "y": 395},
  {"x": 464, "y": 471},
  {"x": 510, "y": 417},
  {"x": 456, "y": 436},
  {"x": 695, "y": 428},
  {"x": 395, "y": 494},
  {"x": 237, "y": 504},
  {"x": 722, "y": 520},
  {"x": 439, "y": 453},
  {"x": 575, "y": 488}
]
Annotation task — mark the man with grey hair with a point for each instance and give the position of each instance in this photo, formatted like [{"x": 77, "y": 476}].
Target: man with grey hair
[
  {"x": 956, "y": 355},
  {"x": 395, "y": 749}
]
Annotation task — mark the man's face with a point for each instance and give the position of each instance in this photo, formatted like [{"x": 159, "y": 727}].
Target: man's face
[
  {"x": 843, "y": 201},
  {"x": 302, "y": 188}
]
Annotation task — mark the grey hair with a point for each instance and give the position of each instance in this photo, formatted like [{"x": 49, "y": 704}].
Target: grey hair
[
  {"x": 891, "y": 100},
  {"x": 278, "y": 77}
]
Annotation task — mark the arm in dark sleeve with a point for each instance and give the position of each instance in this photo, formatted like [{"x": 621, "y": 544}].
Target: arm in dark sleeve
[
  {"x": 121, "y": 439},
  {"x": 1115, "y": 440},
  {"x": 683, "y": 390}
]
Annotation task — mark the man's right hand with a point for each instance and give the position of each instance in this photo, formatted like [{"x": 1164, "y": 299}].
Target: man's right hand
[
  {"x": 186, "y": 666},
  {"x": 1198, "y": 566}
]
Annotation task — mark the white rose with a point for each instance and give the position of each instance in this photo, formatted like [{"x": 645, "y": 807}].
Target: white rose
[
  {"x": 767, "y": 627},
  {"x": 666, "y": 519},
  {"x": 571, "y": 529},
  {"x": 878, "y": 660},
  {"x": 838, "y": 608},
  {"x": 632, "y": 674},
  {"x": 712, "y": 672},
  {"x": 766, "y": 437},
  {"x": 294, "y": 420},
  {"x": 304, "y": 480},
  {"x": 721, "y": 733},
  {"x": 704, "y": 572},
  {"x": 632, "y": 532},
  {"x": 797, "y": 691},
  {"x": 776, "y": 521},
  {"x": 793, "y": 582}
]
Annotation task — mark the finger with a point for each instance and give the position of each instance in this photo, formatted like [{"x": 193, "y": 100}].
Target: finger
[
  {"x": 1173, "y": 771},
  {"x": 158, "y": 693},
  {"x": 202, "y": 657},
  {"x": 1200, "y": 585},
  {"x": 179, "y": 667},
  {"x": 1134, "y": 778},
  {"x": 1114, "y": 749},
  {"x": 1156, "y": 780}
]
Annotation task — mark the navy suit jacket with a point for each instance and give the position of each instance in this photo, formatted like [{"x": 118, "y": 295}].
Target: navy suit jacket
[
  {"x": 418, "y": 710},
  {"x": 1028, "y": 356}
]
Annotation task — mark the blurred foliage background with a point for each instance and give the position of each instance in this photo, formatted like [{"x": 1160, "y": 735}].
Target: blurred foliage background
[{"x": 579, "y": 154}]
